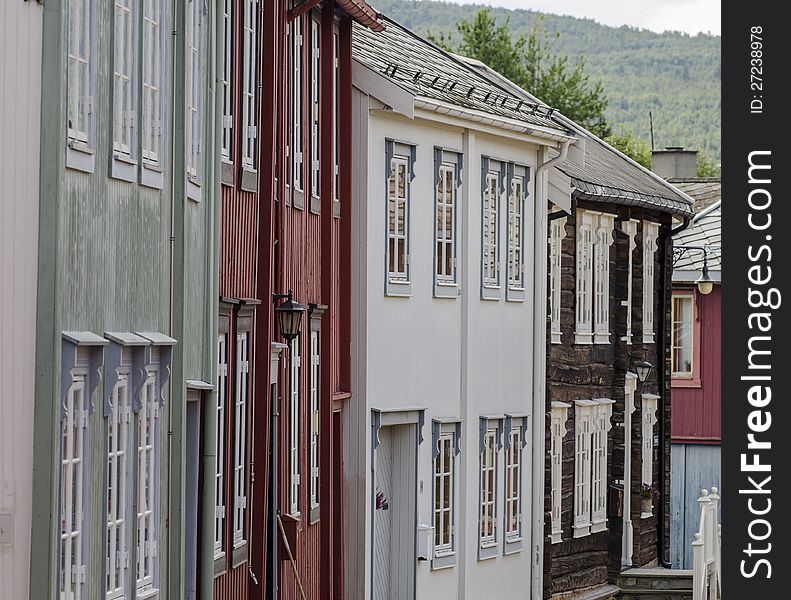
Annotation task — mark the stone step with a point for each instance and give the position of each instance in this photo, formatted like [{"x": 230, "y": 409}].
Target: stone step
[{"x": 655, "y": 584}]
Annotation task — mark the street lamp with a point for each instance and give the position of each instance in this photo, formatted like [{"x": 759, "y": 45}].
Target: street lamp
[
  {"x": 289, "y": 316},
  {"x": 642, "y": 368},
  {"x": 704, "y": 282}
]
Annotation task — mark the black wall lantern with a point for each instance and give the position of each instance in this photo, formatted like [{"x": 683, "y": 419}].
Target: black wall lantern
[
  {"x": 643, "y": 369},
  {"x": 289, "y": 316}
]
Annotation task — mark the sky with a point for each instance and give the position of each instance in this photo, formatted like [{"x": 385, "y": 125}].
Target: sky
[{"x": 689, "y": 16}]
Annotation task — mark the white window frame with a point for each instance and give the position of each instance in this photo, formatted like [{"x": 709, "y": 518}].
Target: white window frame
[
  {"x": 689, "y": 333},
  {"x": 650, "y": 235},
  {"x": 242, "y": 371},
  {"x": 515, "y": 430},
  {"x": 336, "y": 106},
  {"x": 400, "y": 159},
  {"x": 584, "y": 277},
  {"x": 516, "y": 233},
  {"x": 630, "y": 229},
  {"x": 650, "y": 403},
  {"x": 558, "y": 417},
  {"x": 315, "y": 378},
  {"x": 250, "y": 85},
  {"x": 447, "y": 179},
  {"x": 125, "y": 75},
  {"x": 81, "y": 85},
  {"x": 297, "y": 148},
  {"x": 315, "y": 113},
  {"x": 601, "y": 278},
  {"x": 599, "y": 449},
  {"x": 488, "y": 487},
  {"x": 153, "y": 86},
  {"x": 74, "y": 497},
  {"x": 492, "y": 190},
  {"x": 226, "y": 141},
  {"x": 119, "y": 488},
  {"x": 557, "y": 233},
  {"x": 443, "y": 477},
  {"x": 195, "y": 96},
  {"x": 219, "y": 494},
  {"x": 583, "y": 430},
  {"x": 148, "y": 496},
  {"x": 294, "y": 461}
]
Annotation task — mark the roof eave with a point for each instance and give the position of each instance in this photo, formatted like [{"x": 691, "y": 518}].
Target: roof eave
[{"x": 362, "y": 12}]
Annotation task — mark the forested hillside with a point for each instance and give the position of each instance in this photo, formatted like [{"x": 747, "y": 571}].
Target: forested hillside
[{"x": 674, "y": 75}]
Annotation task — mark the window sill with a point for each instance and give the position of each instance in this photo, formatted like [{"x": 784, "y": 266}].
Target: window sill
[
  {"x": 491, "y": 292},
  {"x": 148, "y": 594},
  {"x": 601, "y": 338},
  {"x": 314, "y": 515},
  {"x": 315, "y": 204},
  {"x": 598, "y": 527},
  {"x": 239, "y": 554},
  {"x": 581, "y": 530},
  {"x": 685, "y": 382},
  {"x": 219, "y": 564},
  {"x": 80, "y": 157},
  {"x": 336, "y": 208},
  {"x": 123, "y": 168},
  {"x": 226, "y": 172},
  {"x": 446, "y": 560},
  {"x": 648, "y": 339},
  {"x": 583, "y": 338},
  {"x": 298, "y": 199},
  {"x": 555, "y": 538},
  {"x": 512, "y": 545},
  {"x": 399, "y": 288},
  {"x": 194, "y": 190},
  {"x": 516, "y": 294},
  {"x": 152, "y": 175},
  {"x": 249, "y": 181},
  {"x": 446, "y": 290},
  {"x": 487, "y": 551},
  {"x": 556, "y": 337}
]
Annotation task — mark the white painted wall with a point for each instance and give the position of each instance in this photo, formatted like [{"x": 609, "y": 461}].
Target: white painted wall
[
  {"x": 20, "y": 114},
  {"x": 462, "y": 357}
]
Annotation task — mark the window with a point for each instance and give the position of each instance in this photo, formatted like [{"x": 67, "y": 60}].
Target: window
[
  {"x": 557, "y": 232},
  {"x": 447, "y": 170},
  {"x": 315, "y": 112},
  {"x": 148, "y": 474},
  {"x": 558, "y": 416},
  {"x": 314, "y": 422},
  {"x": 630, "y": 229},
  {"x": 297, "y": 57},
  {"x": 119, "y": 442},
  {"x": 249, "y": 85},
  {"x": 513, "y": 488},
  {"x": 240, "y": 440},
  {"x": 219, "y": 493},
  {"x": 649, "y": 406},
  {"x": 195, "y": 83},
  {"x": 153, "y": 108},
  {"x": 73, "y": 496},
  {"x": 516, "y": 232},
  {"x": 582, "y": 466},
  {"x": 336, "y": 186},
  {"x": 444, "y": 500},
  {"x": 650, "y": 234},
  {"x": 226, "y": 146},
  {"x": 124, "y": 80},
  {"x": 594, "y": 237},
  {"x": 601, "y": 427},
  {"x": 490, "y": 237},
  {"x": 80, "y": 84},
  {"x": 488, "y": 521},
  {"x": 294, "y": 421},
  {"x": 685, "y": 340},
  {"x": 400, "y": 162}
]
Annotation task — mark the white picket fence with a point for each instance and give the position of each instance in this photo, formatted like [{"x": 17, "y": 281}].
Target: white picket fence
[{"x": 706, "y": 569}]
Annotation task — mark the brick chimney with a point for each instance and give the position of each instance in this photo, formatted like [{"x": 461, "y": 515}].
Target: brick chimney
[{"x": 675, "y": 163}]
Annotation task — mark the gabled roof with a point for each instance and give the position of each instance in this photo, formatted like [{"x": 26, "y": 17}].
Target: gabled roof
[
  {"x": 432, "y": 74},
  {"x": 607, "y": 174},
  {"x": 705, "y": 230},
  {"x": 705, "y": 191}
]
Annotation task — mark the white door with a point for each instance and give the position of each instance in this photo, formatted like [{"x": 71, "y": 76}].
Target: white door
[{"x": 383, "y": 522}]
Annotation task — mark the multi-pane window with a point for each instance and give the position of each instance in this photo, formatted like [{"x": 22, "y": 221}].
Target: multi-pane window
[
  {"x": 242, "y": 384},
  {"x": 80, "y": 67},
  {"x": 294, "y": 429},
  {"x": 630, "y": 229},
  {"x": 219, "y": 492},
  {"x": 601, "y": 427},
  {"x": 153, "y": 62},
  {"x": 444, "y": 500},
  {"x": 297, "y": 57},
  {"x": 124, "y": 78},
  {"x": 400, "y": 159},
  {"x": 601, "y": 279},
  {"x": 584, "y": 277},
  {"x": 558, "y": 417},
  {"x": 226, "y": 142},
  {"x": 73, "y": 496},
  {"x": 650, "y": 234},
  {"x": 513, "y": 485},
  {"x": 447, "y": 168},
  {"x": 592, "y": 424},
  {"x": 336, "y": 186},
  {"x": 119, "y": 442},
  {"x": 649, "y": 406},
  {"x": 682, "y": 335},
  {"x": 249, "y": 85},
  {"x": 487, "y": 535},
  {"x": 314, "y": 418},
  {"x": 557, "y": 231},
  {"x": 594, "y": 237},
  {"x": 148, "y": 473},
  {"x": 315, "y": 110},
  {"x": 195, "y": 39},
  {"x": 516, "y": 202},
  {"x": 490, "y": 240}
]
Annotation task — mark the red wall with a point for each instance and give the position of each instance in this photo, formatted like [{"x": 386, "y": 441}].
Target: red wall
[{"x": 696, "y": 412}]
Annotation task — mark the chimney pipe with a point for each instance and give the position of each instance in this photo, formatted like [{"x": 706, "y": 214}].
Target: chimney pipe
[{"x": 674, "y": 162}]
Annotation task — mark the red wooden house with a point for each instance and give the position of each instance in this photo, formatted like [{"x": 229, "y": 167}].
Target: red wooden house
[{"x": 286, "y": 187}]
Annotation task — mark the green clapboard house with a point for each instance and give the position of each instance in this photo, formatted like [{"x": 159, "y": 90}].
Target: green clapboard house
[{"x": 127, "y": 302}]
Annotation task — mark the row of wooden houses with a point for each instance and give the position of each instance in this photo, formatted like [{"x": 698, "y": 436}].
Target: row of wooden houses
[{"x": 303, "y": 306}]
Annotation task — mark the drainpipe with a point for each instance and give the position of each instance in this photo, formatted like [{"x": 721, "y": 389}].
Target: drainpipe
[{"x": 539, "y": 374}]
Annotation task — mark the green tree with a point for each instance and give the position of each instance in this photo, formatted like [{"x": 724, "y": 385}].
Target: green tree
[
  {"x": 530, "y": 62},
  {"x": 631, "y": 146},
  {"x": 706, "y": 166}
]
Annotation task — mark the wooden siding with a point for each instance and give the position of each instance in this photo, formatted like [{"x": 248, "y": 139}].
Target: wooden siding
[
  {"x": 598, "y": 371},
  {"x": 238, "y": 243},
  {"x": 20, "y": 106},
  {"x": 697, "y": 412}
]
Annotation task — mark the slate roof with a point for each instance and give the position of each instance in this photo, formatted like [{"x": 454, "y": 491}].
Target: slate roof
[
  {"x": 704, "y": 230},
  {"x": 608, "y": 175},
  {"x": 705, "y": 191},
  {"x": 424, "y": 70}
]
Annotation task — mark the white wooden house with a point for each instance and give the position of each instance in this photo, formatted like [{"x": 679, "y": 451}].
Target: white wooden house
[{"x": 444, "y": 437}]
